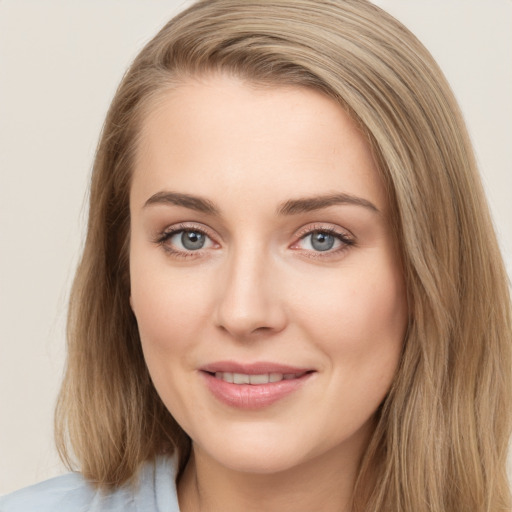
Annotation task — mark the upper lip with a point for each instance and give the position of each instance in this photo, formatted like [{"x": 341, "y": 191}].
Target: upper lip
[{"x": 256, "y": 368}]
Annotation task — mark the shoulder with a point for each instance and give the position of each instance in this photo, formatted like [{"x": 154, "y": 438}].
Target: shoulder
[
  {"x": 154, "y": 492},
  {"x": 68, "y": 492}
]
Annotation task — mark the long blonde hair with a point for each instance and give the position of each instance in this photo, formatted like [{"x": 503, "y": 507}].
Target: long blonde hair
[{"x": 441, "y": 435}]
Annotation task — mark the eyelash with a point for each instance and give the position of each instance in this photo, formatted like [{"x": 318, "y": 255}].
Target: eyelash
[
  {"x": 168, "y": 233},
  {"x": 346, "y": 240}
]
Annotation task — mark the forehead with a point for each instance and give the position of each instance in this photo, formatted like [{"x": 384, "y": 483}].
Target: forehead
[{"x": 223, "y": 136}]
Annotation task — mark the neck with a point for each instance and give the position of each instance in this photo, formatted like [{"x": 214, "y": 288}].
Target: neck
[{"x": 322, "y": 483}]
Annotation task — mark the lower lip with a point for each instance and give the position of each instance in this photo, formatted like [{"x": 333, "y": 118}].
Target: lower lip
[{"x": 253, "y": 396}]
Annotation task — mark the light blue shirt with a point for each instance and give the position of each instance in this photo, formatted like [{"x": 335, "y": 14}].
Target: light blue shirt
[{"x": 155, "y": 492}]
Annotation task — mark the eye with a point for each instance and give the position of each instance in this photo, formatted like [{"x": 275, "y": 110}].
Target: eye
[
  {"x": 184, "y": 241},
  {"x": 323, "y": 240},
  {"x": 320, "y": 241},
  {"x": 189, "y": 240}
]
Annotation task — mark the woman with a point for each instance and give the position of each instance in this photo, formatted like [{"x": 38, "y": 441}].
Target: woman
[{"x": 291, "y": 293}]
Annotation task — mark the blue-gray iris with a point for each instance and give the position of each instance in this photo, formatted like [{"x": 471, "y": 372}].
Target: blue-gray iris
[
  {"x": 321, "y": 241},
  {"x": 192, "y": 240}
]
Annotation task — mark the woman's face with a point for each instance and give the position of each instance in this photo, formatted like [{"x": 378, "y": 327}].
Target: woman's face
[{"x": 264, "y": 274}]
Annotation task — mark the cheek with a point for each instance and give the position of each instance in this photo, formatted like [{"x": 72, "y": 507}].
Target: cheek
[
  {"x": 169, "y": 307},
  {"x": 359, "y": 320}
]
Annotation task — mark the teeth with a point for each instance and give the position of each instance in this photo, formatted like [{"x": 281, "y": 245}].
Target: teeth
[
  {"x": 264, "y": 378},
  {"x": 227, "y": 376},
  {"x": 259, "y": 379},
  {"x": 240, "y": 378}
]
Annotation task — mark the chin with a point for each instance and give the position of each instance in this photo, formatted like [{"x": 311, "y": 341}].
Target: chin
[
  {"x": 258, "y": 462},
  {"x": 260, "y": 452}
]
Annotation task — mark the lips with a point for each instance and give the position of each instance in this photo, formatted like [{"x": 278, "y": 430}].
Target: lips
[{"x": 253, "y": 386}]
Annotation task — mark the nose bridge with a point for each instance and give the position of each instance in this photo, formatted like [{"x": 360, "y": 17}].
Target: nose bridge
[{"x": 249, "y": 299}]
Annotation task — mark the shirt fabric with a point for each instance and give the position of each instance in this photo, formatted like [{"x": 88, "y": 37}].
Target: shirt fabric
[{"x": 155, "y": 491}]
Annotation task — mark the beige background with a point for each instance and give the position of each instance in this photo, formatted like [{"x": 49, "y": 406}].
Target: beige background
[{"x": 60, "y": 62}]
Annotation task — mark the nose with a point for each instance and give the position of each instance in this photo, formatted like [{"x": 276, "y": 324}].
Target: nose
[{"x": 250, "y": 302}]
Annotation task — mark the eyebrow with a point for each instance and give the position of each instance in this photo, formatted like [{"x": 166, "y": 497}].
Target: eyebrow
[
  {"x": 290, "y": 207},
  {"x": 309, "y": 204},
  {"x": 186, "y": 200}
]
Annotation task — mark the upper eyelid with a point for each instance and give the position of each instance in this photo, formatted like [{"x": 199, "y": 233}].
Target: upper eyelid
[
  {"x": 328, "y": 228},
  {"x": 184, "y": 226}
]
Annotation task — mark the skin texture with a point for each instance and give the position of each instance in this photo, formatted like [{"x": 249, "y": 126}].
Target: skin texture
[{"x": 258, "y": 290}]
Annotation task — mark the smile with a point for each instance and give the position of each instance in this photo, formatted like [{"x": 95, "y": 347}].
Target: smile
[
  {"x": 253, "y": 386},
  {"x": 263, "y": 378}
]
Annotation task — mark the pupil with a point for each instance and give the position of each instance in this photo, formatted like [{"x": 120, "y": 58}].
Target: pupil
[
  {"x": 322, "y": 241},
  {"x": 192, "y": 240}
]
